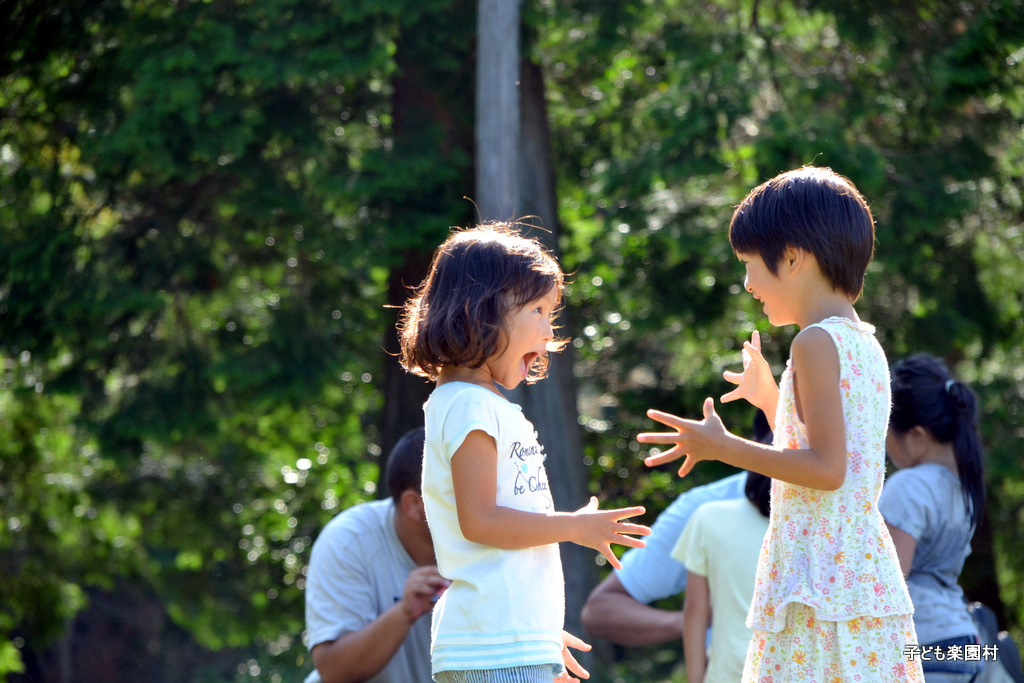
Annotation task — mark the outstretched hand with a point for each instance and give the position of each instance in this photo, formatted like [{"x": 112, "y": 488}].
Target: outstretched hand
[
  {"x": 755, "y": 382},
  {"x": 571, "y": 665},
  {"x": 697, "y": 440},
  {"x": 600, "y": 528}
]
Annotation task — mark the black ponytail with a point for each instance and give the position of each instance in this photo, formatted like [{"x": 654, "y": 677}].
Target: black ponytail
[
  {"x": 967, "y": 447},
  {"x": 924, "y": 393}
]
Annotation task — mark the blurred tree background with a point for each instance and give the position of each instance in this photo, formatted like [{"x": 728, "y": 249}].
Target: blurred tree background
[{"x": 206, "y": 207}]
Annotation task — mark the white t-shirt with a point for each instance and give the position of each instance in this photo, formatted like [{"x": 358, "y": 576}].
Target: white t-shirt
[
  {"x": 722, "y": 543},
  {"x": 357, "y": 571},
  {"x": 504, "y": 608}
]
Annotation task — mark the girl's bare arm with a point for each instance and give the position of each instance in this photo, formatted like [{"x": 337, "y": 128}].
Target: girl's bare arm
[
  {"x": 696, "y": 620},
  {"x": 906, "y": 546},
  {"x": 819, "y": 402},
  {"x": 482, "y": 520}
]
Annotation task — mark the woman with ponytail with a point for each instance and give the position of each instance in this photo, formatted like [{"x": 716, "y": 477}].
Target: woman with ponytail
[{"x": 933, "y": 505}]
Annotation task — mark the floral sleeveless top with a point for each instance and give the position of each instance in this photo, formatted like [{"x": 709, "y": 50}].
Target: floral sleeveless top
[{"x": 831, "y": 550}]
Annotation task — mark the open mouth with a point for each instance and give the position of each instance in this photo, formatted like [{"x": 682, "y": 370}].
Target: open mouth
[{"x": 527, "y": 362}]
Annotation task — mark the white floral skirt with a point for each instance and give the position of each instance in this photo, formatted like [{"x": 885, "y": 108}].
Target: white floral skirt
[{"x": 868, "y": 649}]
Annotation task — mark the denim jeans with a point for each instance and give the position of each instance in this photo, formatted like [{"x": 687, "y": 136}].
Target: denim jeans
[{"x": 951, "y": 670}]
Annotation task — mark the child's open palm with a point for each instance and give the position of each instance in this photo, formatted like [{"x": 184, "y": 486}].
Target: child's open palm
[
  {"x": 571, "y": 665},
  {"x": 755, "y": 383},
  {"x": 598, "y": 529},
  {"x": 697, "y": 440}
]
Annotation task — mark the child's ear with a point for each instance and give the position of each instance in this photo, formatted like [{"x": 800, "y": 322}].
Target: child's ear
[
  {"x": 793, "y": 258},
  {"x": 919, "y": 435},
  {"x": 797, "y": 259}
]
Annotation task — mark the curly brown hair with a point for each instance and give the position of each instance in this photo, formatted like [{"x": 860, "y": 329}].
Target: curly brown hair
[{"x": 457, "y": 316}]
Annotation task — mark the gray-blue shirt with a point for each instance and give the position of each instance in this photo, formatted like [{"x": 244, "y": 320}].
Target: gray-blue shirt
[{"x": 926, "y": 502}]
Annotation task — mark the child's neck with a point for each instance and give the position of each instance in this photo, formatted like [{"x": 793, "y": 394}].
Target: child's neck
[
  {"x": 812, "y": 295},
  {"x": 479, "y": 376},
  {"x": 939, "y": 454},
  {"x": 832, "y": 305}
]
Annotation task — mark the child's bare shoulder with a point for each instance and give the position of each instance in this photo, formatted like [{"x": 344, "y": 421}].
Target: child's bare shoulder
[
  {"x": 813, "y": 346},
  {"x": 812, "y": 337}
]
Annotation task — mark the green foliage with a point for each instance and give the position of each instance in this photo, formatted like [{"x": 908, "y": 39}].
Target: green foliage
[
  {"x": 202, "y": 204},
  {"x": 197, "y": 202},
  {"x": 666, "y": 114}
]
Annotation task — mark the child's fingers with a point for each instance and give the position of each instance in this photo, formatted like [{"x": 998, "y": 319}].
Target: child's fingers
[
  {"x": 658, "y": 437},
  {"x": 623, "y": 513},
  {"x": 667, "y": 419},
  {"x": 687, "y": 465},
  {"x": 622, "y": 539},
  {"x": 569, "y": 640},
  {"x": 632, "y": 529},
  {"x": 591, "y": 506},
  {"x": 709, "y": 408},
  {"x": 572, "y": 665},
  {"x": 671, "y": 454},
  {"x": 681, "y": 425},
  {"x": 635, "y": 529},
  {"x": 606, "y": 550},
  {"x": 628, "y": 531}
]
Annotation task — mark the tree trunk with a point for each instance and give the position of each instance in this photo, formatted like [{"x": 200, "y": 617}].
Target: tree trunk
[
  {"x": 404, "y": 394},
  {"x": 429, "y": 121},
  {"x": 497, "y": 110},
  {"x": 515, "y": 179}
]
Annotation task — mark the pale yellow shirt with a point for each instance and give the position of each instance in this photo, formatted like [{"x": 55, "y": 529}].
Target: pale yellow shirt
[{"x": 722, "y": 542}]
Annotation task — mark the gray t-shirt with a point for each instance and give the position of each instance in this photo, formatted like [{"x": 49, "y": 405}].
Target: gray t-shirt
[
  {"x": 357, "y": 570},
  {"x": 926, "y": 502}
]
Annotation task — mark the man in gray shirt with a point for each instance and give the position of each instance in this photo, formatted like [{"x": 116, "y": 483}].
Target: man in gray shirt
[{"x": 372, "y": 576}]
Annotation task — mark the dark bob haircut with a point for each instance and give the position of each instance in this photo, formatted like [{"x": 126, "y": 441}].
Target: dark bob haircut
[
  {"x": 814, "y": 209},
  {"x": 457, "y": 316}
]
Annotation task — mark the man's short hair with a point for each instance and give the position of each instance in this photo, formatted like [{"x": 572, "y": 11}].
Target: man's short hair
[{"x": 405, "y": 464}]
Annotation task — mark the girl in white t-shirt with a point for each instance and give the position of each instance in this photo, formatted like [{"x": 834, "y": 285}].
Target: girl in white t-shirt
[{"x": 482, "y": 319}]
